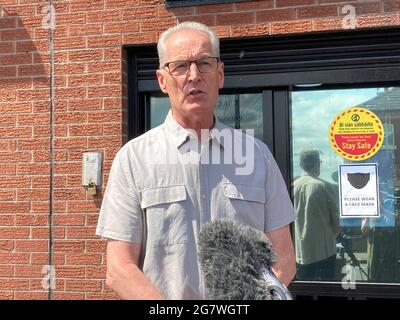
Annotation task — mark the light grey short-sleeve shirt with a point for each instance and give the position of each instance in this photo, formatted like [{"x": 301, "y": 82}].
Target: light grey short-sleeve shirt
[{"x": 178, "y": 186}]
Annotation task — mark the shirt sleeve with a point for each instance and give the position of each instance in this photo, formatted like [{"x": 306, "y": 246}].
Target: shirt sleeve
[
  {"x": 120, "y": 214},
  {"x": 279, "y": 210}
]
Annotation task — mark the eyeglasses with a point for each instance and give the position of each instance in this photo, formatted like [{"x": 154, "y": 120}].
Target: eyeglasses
[{"x": 204, "y": 65}]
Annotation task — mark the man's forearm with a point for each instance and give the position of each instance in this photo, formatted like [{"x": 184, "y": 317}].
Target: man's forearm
[{"x": 129, "y": 282}]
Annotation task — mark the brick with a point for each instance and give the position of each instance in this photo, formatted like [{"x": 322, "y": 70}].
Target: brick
[
  {"x": 70, "y": 117},
  {"x": 96, "y": 272},
  {"x": 96, "y": 246},
  {"x": 28, "y": 271},
  {"x": 96, "y": 67},
  {"x": 69, "y": 219},
  {"x": 70, "y": 272},
  {"x": 7, "y": 220},
  {"x": 14, "y": 284},
  {"x": 7, "y": 121},
  {"x": 143, "y": 13},
  {"x": 157, "y": 24},
  {"x": 248, "y": 30},
  {"x": 389, "y": 6},
  {"x": 7, "y": 169},
  {"x": 6, "y": 246},
  {"x": 103, "y": 142},
  {"x": 29, "y": 95},
  {"x": 83, "y": 5},
  {"x": 7, "y": 145},
  {"x": 377, "y": 20},
  {"x": 85, "y": 130},
  {"x": 81, "y": 232},
  {"x": 104, "y": 41},
  {"x": 104, "y": 16},
  {"x": 33, "y": 168},
  {"x": 102, "y": 296},
  {"x": 68, "y": 295},
  {"x": 8, "y": 72},
  {"x": 83, "y": 258},
  {"x": 14, "y": 232},
  {"x": 105, "y": 91},
  {"x": 228, "y": 7},
  {"x": 33, "y": 194},
  {"x": 6, "y": 295},
  {"x": 15, "y": 59},
  {"x": 83, "y": 206},
  {"x": 31, "y": 219},
  {"x": 19, "y": 132},
  {"x": 68, "y": 168},
  {"x": 235, "y": 18},
  {"x": 70, "y": 143},
  {"x": 296, "y": 3},
  {"x": 276, "y": 15},
  {"x": 83, "y": 285},
  {"x": 14, "y": 258},
  {"x": 14, "y": 156},
  {"x": 254, "y": 5},
  {"x": 43, "y": 233},
  {"x": 317, "y": 11},
  {"x": 31, "y": 295},
  {"x": 85, "y": 30},
  {"x": 69, "y": 68},
  {"x": 140, "y": 37},
  {"x": 69, "y": 246},
  {"x": 74, "y": 180},
  {"x": 121, "y": 27},
  {"x": 109, "y": 4},
  {"x": 33, "y": 144},
  {"x": 33, "y": 119},
  {"x": 70, "y": 43},
  {"x": 85, "y": 55},
  {"x": 207, "y": 19},
  {"x": 79, "y": 80},
  {"x": 13, "y": 207},
  {"x": 41, "y": 155},
  {"x": 291, "y": 27},
  {"x": 70, "y": 93},
  {"x": 7, "y": 47},
  {"x": 104, "y": 117},
  {"x": 7, "y": 195}
]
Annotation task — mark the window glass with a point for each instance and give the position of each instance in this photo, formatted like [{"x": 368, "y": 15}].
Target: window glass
[
  {"x": 328, "y": 247},
  {"x": 240, "y": 111}
]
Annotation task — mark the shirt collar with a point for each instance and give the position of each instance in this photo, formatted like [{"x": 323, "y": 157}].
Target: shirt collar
[{"x": 180, "y": 135}]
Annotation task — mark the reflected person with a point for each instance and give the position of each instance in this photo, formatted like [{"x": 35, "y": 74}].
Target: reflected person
[{"x": 317, "y": 221}]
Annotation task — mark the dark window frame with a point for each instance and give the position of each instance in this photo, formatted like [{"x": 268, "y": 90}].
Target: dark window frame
[
  {"x": 190, "y": 3},
  {"x": 276, "y": 64}
]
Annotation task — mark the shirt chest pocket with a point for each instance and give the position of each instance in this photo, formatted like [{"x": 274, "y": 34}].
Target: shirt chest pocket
[
  {"x": 166, "y": 219},
  {"x": 245, "y": 203}
]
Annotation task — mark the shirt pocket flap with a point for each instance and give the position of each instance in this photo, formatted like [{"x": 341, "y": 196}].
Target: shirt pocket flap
[
  {"x": 244, "y": 192},
  {"x": 161, "y": 195}
]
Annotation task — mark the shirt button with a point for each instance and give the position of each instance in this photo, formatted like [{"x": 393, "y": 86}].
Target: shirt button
[{"x": 203, "y": 196}]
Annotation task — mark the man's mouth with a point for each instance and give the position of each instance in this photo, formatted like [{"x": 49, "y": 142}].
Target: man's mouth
[{"x": 195, "y": 93}]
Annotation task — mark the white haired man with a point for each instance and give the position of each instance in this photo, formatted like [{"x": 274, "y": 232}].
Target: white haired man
[{"x": 161, "y": 192}]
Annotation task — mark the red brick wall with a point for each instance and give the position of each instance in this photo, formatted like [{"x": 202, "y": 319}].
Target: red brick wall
[{"x": 83, "y": 80}]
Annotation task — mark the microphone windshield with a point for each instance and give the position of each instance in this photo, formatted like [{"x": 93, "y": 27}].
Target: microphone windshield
[{"x": 233, "y": 258}]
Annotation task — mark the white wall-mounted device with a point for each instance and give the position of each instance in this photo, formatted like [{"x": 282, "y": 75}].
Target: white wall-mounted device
[{"x": 91, "y": 169}]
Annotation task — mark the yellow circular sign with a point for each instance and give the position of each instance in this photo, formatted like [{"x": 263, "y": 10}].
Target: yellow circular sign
[{"x": 356, "y": 134}]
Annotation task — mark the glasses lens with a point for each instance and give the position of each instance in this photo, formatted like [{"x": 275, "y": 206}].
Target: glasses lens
[
  {"x": 178, "y": 67},
  {"x": 203, "y": 65},
  {"x": 207, "y": 64}
]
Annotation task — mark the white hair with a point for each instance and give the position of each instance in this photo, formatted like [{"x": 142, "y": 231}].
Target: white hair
[{"x": 187, "y": 25}]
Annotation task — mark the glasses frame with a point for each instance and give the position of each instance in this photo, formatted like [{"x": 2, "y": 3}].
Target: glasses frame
[{"x": 166, "y": 65}]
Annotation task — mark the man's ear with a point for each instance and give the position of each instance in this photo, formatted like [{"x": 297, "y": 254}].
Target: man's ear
[
  {"x": 161, "y": 80},
  {"x": 221, "y": 75}
]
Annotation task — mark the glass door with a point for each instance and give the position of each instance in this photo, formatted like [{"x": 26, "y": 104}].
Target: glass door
[
  {"x": 330, "y": 247},
  {"x": 239, "y": 111}
]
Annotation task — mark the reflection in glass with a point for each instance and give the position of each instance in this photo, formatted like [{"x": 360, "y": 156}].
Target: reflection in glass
[
  {"x": 366, "y": 249},
  {"x": 239, "y": 111}
]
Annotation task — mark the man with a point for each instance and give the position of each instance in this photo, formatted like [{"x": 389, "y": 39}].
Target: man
[
  {"x": 317, "y": 221},
  {"x": 162, "y": 187}
]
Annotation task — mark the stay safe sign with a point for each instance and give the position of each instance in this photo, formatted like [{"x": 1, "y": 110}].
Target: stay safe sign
[{"x": 356, "y": 134}]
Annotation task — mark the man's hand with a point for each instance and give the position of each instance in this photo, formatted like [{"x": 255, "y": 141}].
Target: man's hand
[{"x": 124, "y": 275}]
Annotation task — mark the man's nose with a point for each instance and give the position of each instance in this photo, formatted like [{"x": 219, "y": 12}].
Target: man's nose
[{"x": 194, "y": 73}]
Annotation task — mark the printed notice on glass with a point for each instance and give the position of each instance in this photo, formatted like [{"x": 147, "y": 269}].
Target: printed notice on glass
[{"x": 358, "y": 190}]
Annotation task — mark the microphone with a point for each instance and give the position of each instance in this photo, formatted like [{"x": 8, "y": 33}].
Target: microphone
[{"x": 236, "y": 263}]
